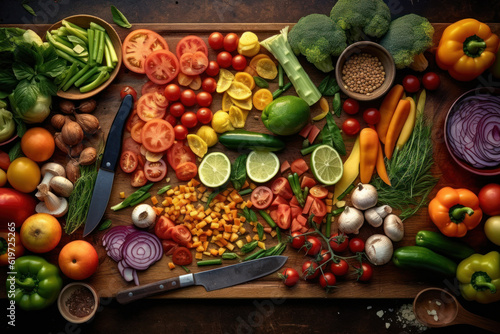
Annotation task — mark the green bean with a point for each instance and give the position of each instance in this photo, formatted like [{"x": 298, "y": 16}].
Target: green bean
[
  {"x": 280, "y": 91},
  {"x": 91, "y": 44},
  {"x": 103, "y": 76},
  {"x": 60, "y": 46},
  {"x": 107, "y": 56},
  {"x": 69, "y": 58},
  {"x": 247, "y": 248},
  {"x": 164, "y": 189},
  {"x": 267, "y": 218},
  {"x": 96, "y": 26},
  {"x": 71, "y": 72},
  {"x": 114, "y": 57},
  {"x": 245, "y": 192},
  {"x": 338, "y": 211},
  {"x": 209, "y": 262},
  {"x": 72, "y": 25},
  {"x": 62, "y": 41},
  {"x": 76, "y": 30},
  {"x": 280, "y": 76},
  {"x": 100, "y": 48},
  {"x": 344, "y": 194},
  {"x": 75, "y": 77},
  {"x": 230, "y": 256},
  {"x": 254, "y": 255}
]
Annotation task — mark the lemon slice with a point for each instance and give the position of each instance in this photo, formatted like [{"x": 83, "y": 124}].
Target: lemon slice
[
  {"x": 225, "y": 80},
  {"x": 227, "y": 102},
  {"x": 214, "y": 169},
  {"x": 248, "y": 38},
  {"x": 262, "y": 166},
  {"x": 197, "y": 145},
  {"x": 239, "y": 91},
  {"x": 245, "y": 78},
  {"x": 245, "y": 104},
  {"x": 248, "y": 50},
  {"x": 266, "y": 69},
  {"x": 326, "y": 165},
  {"x": 237, "y": 117}
]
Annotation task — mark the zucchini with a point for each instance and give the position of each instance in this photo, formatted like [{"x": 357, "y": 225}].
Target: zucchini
[
  {"x": 242, "y": 139},
  {"x": 421, "y": 258},
  {"x": 443, "y": 245}
]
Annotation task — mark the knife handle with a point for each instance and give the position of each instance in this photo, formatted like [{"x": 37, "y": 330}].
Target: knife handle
[
  {"x": 114, "y": 140},
  {"x": 130, "y": 295}
]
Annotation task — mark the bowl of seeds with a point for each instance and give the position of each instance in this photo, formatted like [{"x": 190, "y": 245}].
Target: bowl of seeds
[
  {"x": 78, "y": 302},
  {"x": 365, "y": 71}
]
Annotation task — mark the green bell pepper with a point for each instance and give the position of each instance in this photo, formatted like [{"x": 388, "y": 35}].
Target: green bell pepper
[
  {"x": 479, "y": 277},
  {"x": 36, "y": 283}
]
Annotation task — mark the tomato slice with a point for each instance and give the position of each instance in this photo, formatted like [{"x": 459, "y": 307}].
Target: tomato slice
[
  {"x": 128, "y": 161},
  {"x": 155, "y": 170},
  {"x": 138, "y": 178},
  {"x": 181, "y": 234},
  {"x": 284, "y": 219},
  {"x": 318, "y": 208},
  {"x": 193, "y": 63},
  {"x": 179, "y": 153},
  {"x": 182, "y": 256},
  {"x": 307, "y": 182},
  {"x": 138, "y": 45},
  {"x": 191, "y": 44},
  {"x": 151, "y": 106},
  {"x": 299, "y": 166},
  {"x": 157, "y": 135},
  {"x": 129, "y": 144},
  {"x": 169, "y": 246},
  {"x": 136, "y": 131},
  {"x": 261, "y": 197},
  {"x": 132, "y": 120},
  {"x": 151, "y": 87},
  {"x": 161, "y": 67},
  {"x": 281, "y": 187},
  {"x": 186, "y": 171},
  {"x": 319, "y": 192},
  {"x": 162, "y": 225}
]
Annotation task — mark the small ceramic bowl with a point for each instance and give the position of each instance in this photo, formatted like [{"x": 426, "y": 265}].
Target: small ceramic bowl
[
  {"x": 69, "y": 295},
  {"x": 373, "y": 49},
  {"x": 83, "y": 21}
]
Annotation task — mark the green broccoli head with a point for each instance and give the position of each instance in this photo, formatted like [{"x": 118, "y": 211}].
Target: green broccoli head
[
  {"x": 317, "y": 38},
  {"x": 408, "y": 37},
  {"x": 362, "y": 18}
]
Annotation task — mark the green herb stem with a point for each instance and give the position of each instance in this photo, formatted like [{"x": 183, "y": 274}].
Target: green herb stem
[
  {"x": 280, "y": 91},
  {"x": 209, "y": 262},
  {"x": 267, "y": 218}
]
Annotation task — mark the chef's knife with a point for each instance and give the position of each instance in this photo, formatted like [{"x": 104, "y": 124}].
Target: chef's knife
[
  {"x": 211, "y": 279},
  {"x": 106, "y": 174}
]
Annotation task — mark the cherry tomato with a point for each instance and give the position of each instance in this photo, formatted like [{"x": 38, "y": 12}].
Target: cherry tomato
[
  {"x": 189, "y": 119},
  {"x": 261, "y": 197},
  {"x": 239, "y": 62},
  {"x": 180, "y": 131},
  {"x": 209, "y": 85},
  {"x": 204, "y": 115},
  {"x": 138, "y": 178},
  {"x": 312, "y": 245},
  {"x": 281, "y": 187},
  {"x": 324, "y": 256},
  {"x": 310, "y": 270},
  {"x": 162, "y": 225},
  {"x": 351, "y": 106},
  {"x": 216, "y": 40},
  {"x": 128, "y": 90},
  {"x": 231, "y": 42},
  {"x": 431, "y": 81},
  {"x": 128, "y": 161},
  {"x": 340, "y": 268},
  {"x": 186, "y": 171},
  {"x": 155, "y": 171},
  {"x": 298, "y": 240},
  {"x": 489, "y": 199},
  {"x": 365, "y": 273},
  {"x": 356, "y": 245},
  {"x": 188, "y": 98},
  {"x": 371, "y": 116},
  {"x": 172, "y": 92},
  {"x": 182, "y": 256},
  {"x": 318, "y": 208},
  {"x": 351, "y": 126},
  {"x": 318, "y": 192},
  {"x": 411, "y": 83},
  {"x": 177, "y": 109},
  {"x": 290, "y": 277},
  {"x": 204, "y": 99},
  {"x": 339, "y": 242},
  {"x": 327, "y": 280},
  {"x": 171, "y": 119},
  {"x": 212, "y": 69},
  {"x": 224, "y": 59}
]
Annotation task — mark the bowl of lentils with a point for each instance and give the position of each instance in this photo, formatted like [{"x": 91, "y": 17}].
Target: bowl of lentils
[{"x": 365, "y": 71}]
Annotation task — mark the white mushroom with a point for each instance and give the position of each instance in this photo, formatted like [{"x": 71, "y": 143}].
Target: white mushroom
[
  {"x": 364, "y": 196},
  {"x": 351, "y": 220},
  {"x": 143, "y": 216},
  {"x": 61, "y": 186},
  {"x": 375, "y": 216},
  {"x": 48, "y": 171},
  {"x": 394, "y": 227},
  {"x": 59, "y": 211},
  {"x": 378, "y": 249}
]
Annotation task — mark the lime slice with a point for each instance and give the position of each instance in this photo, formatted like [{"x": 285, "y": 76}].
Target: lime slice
[
  {"x": 262, "y": 166},
  {"x": 214, "y": 169},
  {"x": 326, "y": 165}
]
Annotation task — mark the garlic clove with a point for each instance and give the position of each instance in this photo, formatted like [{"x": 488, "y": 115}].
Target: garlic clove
[
  {"x": 350, "y": 220},
  {"x": 364, "y": 196}
]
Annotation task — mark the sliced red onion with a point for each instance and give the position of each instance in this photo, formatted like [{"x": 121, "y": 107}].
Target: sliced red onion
[
  {"x": 113, "y": 240},
  {"x": 473, "y": 130},
  {"x": 141, "y": 249}
]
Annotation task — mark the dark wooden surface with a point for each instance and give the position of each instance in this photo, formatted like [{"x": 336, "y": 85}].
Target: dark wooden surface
[{"x": 272, "y": 313}]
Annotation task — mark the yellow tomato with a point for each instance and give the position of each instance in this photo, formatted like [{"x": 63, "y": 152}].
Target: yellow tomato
[
  {"x": 23, "y": 174},
  {"x": 492, "y": 229},
  {"x": 3, "y": 178}
]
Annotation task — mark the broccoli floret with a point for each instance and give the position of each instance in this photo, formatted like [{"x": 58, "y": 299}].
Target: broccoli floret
[
  {"x": 362, "y": 19},
  {"x": 318, "y": 38},
  {"x": 408, "y": 37}
]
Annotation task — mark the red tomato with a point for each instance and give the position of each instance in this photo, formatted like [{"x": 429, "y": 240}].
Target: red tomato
[
  {"x": 155, "y": 171},
  {"x": 231, "y": 42},
  {"x": 327, "y": 280},
  {"x": 188, "y": 97},
  {"x": 209, "y": 85},
  {"x": 261, "y": 197},
  {"x": 179, "y": 153},
  {"x": 150, "y": 106},
  {"x": 310, "y": 270},
  {"x": 339, "y": 242},
  {"x": 191, "y": 44},
  {"x": 138, "y": 45},
  {"x": 298, "y": 240},
  {"x": 216, "y": 40},
  {"x": 136, "y": 131},
  {"x": 189, "y": 119},
  {"x": 171, "y": 119},
  {"x": 340, "y": 268},
  {"x": 299, "y": 166},
  {"x": 312, "y": 245},
  {"x": 324, "y": 256},
  {"x": 224, "y": 59},
  {"x": 284, "y": 217},
  {"x": 132, "y": 120},
  {"x": 162, "y": 225},
  {"x": 4, "y": 160},
  {"x": 356, "y": 245},
  {"x": 128, "y": 90},
  {"x": 180, "y": 131},
  {"x": 239, "y": 62},
  {"x": 177, "y": 109},
  {"x": 212, "y": 69},
  {"x": 151, "y": 87},
  {"x": 351, "y": 106},
  {"x": 128, "y": 161},
  {"x": 281, "y": 187},
  {"x": 182, "y": 256},
  {"x": 169, "y": 246},
  {"x": 371, "y": 116},
  {"x": 365, "y": 273},
  {"x": 204, "y": 99},
  {"x": 318, "y": 208},
  {"x": 204, "y": 115},
  {"x": 431, "y": 81},
  {"x": 172, "y": 92},
  {"x": 138, "y": 178},
  {"x": 351, "y": 126},
  {"x": 290, "y": 277},
  {"x": 130, "y": 144},
  {"x": 181, "y": 234},
  {"x": 318, "y": 192},
  {"x": 308, "y": 182},
  {"x": 186, "y": 171},
  {"x": 489, "y": 199},
  {"x": 161, "y": 67},
  {"x": 411, "y": 83},
  {"x": 157, "y": 135},
  {"x": 193, "y": 63}
]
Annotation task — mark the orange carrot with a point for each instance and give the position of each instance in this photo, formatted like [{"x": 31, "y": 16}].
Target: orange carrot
[
  {"x": 381, "y": 170},
  {"x": 387, "y": 109},
  {"x": 368, "y": 145},
  {"x": 397, "y": 123}
]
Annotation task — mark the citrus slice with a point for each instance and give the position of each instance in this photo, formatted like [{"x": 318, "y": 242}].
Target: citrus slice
[
  {"x": 227, "y": 102},
  {"x": 245, "y": 78},
  {"x": 239, "y": 91},
  {"x": 197, "y": 145},
  {"x": 153, "y": 157},
  {"x": 245, "y": 104},
  {"x": 249, "y": 50},
  {"x": 266, "y": 69},
  {"x": 214, "y": 169},
  {"x": 220, "y": 122},
  {"x": 208, "y": 134},
  {"x": 225, "y": 80},
  {"x": 262, "y": 166},
  {"x": 326, "y": 165},
  {"x": 248, "y": 38},
  {"x": 237, "y": 117},
  {"x": 255, "y": 60},
  {"x": 262, "y": 98}
]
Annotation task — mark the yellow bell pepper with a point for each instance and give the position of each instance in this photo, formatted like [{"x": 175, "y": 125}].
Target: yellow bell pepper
[
  {"x": 479, "y": 277},
  {"x": 466, "y": 49}
]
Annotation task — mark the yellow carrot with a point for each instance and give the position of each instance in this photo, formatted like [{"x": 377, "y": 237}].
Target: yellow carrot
[
  {"x": 387, "y": 109},
  {"x": 368, "y": 150},
  {"x": 381, "y": 170},
  {"x": 397, "y": 122},
  {"x": 351, "y": 172},
  {"x": 408, "y": 126}
]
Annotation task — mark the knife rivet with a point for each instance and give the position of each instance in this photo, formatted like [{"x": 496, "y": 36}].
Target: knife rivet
[
  {"x": 162, "y": 286},
  {"x": 174, "y": 283},
  {"x": 108, "y": 164},
  {"x": 130, "y": 294}
]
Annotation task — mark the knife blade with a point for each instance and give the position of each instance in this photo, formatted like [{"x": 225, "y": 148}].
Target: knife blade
[
  {"x": 210, "y": 279},
  {"x": 106, "y": 173}
]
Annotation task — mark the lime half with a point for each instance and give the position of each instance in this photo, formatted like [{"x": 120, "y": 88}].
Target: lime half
[
  {"x": 326, "y": 165},
  {"x": 262, "y": 166},
  {"x": 215, "y": 169}
]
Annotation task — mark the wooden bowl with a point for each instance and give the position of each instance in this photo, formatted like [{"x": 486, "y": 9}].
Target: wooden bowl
[
  {"x": 84, "y": 21},
  {"x": 66, "y": 293},
  {"x": 376, "y": 50}
]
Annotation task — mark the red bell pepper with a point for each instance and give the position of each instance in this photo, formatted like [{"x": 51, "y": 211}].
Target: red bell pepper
[{"x": 15, "y": 206}]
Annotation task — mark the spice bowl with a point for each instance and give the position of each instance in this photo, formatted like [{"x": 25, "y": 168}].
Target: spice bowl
[
  {"x": 78, "y": 302},
  {"x": 374, "y": 50}
]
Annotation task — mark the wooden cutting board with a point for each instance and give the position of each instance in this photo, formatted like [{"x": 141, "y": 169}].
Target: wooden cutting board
[{"x": 388, "y": 281}]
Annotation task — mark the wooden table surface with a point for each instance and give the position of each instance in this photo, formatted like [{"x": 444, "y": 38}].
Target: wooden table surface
[{"x": 271, "y": 312}]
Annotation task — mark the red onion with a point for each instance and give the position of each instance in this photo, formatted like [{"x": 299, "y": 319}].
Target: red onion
[
  {"x": 473, "y": 130},
  {"x": 113, "y": 240},
  {"x": 141, "y": 249}
]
